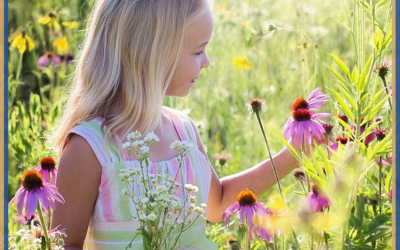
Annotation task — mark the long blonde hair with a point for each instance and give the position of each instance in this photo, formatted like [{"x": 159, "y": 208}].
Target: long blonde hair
[{"x": 126, "y": 63}]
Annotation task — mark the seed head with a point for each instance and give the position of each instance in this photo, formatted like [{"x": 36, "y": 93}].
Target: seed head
[
  {"x": 302, "y": 115},
  {"x": 246, "y": 197},
  {"x": 31, "y": 179},
  {"x": 342, "y": 140},
  {"x": 299, "y": 175},
  {"x": 343, "y": 118},
  {"x": 300, "y": 103},
  {"x": 328, "y": 128},
  {"x": 380, "y": 134},
  {"x": 256, "y": 105},
  {"x": 48, "y": 163}
]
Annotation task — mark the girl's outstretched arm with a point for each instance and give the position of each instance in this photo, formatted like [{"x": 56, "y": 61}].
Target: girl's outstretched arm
[
  {"x": 78, "y": 181},
  {"x": 260, "y": 178}
]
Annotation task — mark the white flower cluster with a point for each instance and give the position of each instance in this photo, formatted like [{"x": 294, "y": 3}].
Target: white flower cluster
[
  {"x": 163, "y": 207},
  {"x": 182, "y": 146},
  {"x": 140, "y": 147},
  {"x": 31, "y": 239}
]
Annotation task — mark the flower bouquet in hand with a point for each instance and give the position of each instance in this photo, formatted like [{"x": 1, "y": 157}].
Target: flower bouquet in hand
[
  {"x": 37, "y": 193},
  {"x": 164, "y": 208}
]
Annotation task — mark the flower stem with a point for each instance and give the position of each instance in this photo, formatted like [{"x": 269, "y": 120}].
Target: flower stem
[
  {"x": 380, "y": 185},
  {"x": 387, "y": 92},
  {"x": 270, "y": 157},
  {"x": 42, "y": 223},
  {"x": 275, "y": 171},
  {"x": 326, "y": 240}
]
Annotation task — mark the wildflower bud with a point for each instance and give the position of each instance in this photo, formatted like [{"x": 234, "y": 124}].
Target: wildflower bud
[
  {"x": 328, "y": 128},
  {"x": 380, "y": 134},
  {"x": 343, "y": 118},
  {"x": 300, "y": 175},
  {"x": 256, "y": 105},
  {"x": 271, "y": 27}
]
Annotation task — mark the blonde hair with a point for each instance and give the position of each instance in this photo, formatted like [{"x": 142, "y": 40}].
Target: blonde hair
[{"x": 126, "y": 63}]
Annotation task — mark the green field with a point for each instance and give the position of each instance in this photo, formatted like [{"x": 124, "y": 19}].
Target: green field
[{"x": 274, "y": 50}]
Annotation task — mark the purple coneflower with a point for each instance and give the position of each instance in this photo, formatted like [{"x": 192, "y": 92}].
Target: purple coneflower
[
  {"x": 27, "y": 221},
  {"x": 47, "y": 58},
  {"x": 304, "y": 122},
  {"x": 48, "y": 168},
  {"x": 316, "y": 201},
  {"x": 383, "y": 69},
  {"x": 247, "y": 205},
  {"x": 314, "y": 100},
  {"x": 341, "y": 140},
  {"x": 260, "y": 231},
  {"x": 32, "y": 190}
]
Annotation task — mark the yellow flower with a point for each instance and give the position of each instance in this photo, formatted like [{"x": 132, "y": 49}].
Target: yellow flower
[
  {"x": 71, "y": 25},
  {"x": 304, "y": 45},
  {"x": 50, "y": 19},
  {"x": 61, "y": 45},
  {"x": 328, "y": 222},
  {"x": 242, "y": 63},
  {"x": 20, "y": 42},
  {"x": 276, "y": 203}
]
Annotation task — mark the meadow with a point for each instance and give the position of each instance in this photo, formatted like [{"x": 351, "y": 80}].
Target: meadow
[{"x": 277, "y": 51}]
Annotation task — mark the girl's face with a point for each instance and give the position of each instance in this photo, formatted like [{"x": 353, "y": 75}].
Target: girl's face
[{"x": 193, "y": 57}]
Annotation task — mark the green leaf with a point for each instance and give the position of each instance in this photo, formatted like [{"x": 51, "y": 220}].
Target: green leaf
[
  {"x": 387, "y": 40},
  {"x": 290, "y": 147},
  {"x": 360, "y": 212},
  {"x": 349, "y": 98},
  {"x": 355, "y": 74},
  {"x": 378, "y": 37},
  {"x": 343, "y": 104},
  {"x": 343, "y": 67},
  {"x": 345, "y": 84},
  {"x": 380, "y": 3},
  {"x": 388, "y": 181},
  {"x": 286, "y": 190},
  {"x": 363, "y": 81},
  {"x": 381, "y": 145}
]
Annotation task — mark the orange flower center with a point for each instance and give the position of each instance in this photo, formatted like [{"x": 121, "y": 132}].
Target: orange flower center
[
  {"x": 48, "y": 163},
  {"x": 315, "y": 189},
  {"x": 302, "y": 115},
  {"x": 300, "y": 103},
  {"x": 31, "y": 179},
  {"x": 246, "y": 197}
]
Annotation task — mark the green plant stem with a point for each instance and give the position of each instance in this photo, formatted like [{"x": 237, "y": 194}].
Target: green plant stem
[
  {"x": 387, "y": 92},
  {"x": 380, "y": 185},
  {"x": 326, "y": 240},
  {"x": 19, "y": 68},
  {"x": 275, "y": 241},
  {"x": 272, "y": 160},
  {"x": 42, "y": 223}
]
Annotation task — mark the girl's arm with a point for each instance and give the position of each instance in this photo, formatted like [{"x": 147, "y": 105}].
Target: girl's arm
[
  {"x": 78, "y": 180},
  {"x": 260, "y": 178}
]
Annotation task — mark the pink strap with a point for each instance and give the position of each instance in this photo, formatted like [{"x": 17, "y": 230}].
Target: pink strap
[{"x": 182, "y": 136}]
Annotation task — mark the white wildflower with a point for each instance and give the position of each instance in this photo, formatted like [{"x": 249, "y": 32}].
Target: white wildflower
[
  {"x": 145, "y": 200},
  {"x": 152, "y": 216},
  {"x": 134, "y": 136},
  {"x": 151, "y": 137},
  {"x": 126, "y": 145}
]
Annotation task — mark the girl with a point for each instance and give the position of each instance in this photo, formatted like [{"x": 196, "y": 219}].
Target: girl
[{"x": 135, "y": 53}]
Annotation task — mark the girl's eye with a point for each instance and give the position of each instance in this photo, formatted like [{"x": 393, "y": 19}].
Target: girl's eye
[{"x": 199, "y": 53}]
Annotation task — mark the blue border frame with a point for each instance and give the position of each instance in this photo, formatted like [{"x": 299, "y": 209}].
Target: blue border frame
[
  {"x": 5, "y": 124},
  {"x": 397, "y": 114}
]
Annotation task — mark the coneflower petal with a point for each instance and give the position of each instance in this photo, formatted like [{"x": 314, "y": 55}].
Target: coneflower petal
[{"x": 31, "y": 203}]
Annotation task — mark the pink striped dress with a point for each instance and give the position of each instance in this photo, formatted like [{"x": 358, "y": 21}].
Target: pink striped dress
[{"x": 112, "y": 225}]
